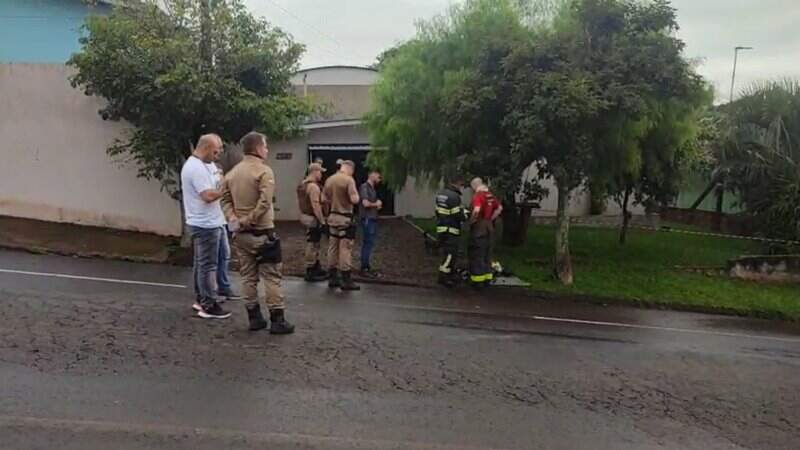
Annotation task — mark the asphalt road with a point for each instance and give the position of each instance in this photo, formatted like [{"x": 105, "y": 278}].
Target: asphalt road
[{"x": 107, "y": 355}]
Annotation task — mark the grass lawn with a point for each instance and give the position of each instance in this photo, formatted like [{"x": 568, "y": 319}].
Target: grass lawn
[{"x": 644, "y": 270}]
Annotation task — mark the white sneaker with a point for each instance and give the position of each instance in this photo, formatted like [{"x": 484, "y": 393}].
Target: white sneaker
[
  {"x": 214, "y": 312},
  {"x": 197, "y": 307}
]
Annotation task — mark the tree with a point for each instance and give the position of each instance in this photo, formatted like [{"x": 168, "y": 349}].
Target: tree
[
  {"x": 667, "y": 151},
  {"x": 438, "y": 106},
  {"x": 553, "y": 117},
  {"x": 489, "y": 89},
  {"x": 761, "y": 143},
  {"x": 176, "y": 69},
  {"x": 592, "y": 93},
  {"x": 385, "y": 56}
]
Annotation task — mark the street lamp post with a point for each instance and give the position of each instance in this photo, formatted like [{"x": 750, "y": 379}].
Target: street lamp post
[
  {"x": 721, "y": 191},
  {"x": 735, "y": 60}
]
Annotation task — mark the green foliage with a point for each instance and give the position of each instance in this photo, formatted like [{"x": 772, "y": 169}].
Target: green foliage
[
  {"x": 644, "y": 271},
  {"x": 641, "y": 98},
  {"x": 760, "y": 154},
  {"x": 582, "y": 89},
  {"x": 606, "y": 98},
  {"x": 435, "y": 110},
  {"x": 178, "y": 71}
]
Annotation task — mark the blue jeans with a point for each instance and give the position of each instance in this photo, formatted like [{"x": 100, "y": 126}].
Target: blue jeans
[
  {"x": 370, "y": 232},
  {"x": 224, "y": 259},
  {"x": 206, "y": 243}
]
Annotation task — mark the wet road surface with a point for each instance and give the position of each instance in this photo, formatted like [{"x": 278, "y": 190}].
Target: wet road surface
[{"x": 99, "y": 355}]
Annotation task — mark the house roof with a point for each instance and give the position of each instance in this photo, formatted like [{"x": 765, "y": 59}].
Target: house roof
[
  {"x": 320, "y": 124},
  {"x": 309, "y": 69}
]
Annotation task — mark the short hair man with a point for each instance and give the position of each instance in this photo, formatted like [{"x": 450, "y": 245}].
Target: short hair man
[
  {"x": 340, "y": 196},
  {"x": 309, "y": 200},
  {"x": 204, "y": 218},
  {"x": 450, "y": 216},
  {"x": 368, "y": 214},
  {"x": 485, "y": 210},
  {"x": 247, "y": 201}
]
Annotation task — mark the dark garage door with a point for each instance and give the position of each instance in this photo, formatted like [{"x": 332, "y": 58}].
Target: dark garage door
[{"x": 358, "y": 154}]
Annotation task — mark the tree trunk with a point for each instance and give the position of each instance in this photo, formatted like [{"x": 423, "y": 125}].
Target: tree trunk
[
  {"x": 563, "y": 262},
  {"x": 717, "y": 224},
  {"x": 711, "y": 185},
  {"x": 626, "y": 217}
]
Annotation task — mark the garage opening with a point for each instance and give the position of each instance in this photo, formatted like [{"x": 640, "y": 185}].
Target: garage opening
[{"x": 330, "y": 153}]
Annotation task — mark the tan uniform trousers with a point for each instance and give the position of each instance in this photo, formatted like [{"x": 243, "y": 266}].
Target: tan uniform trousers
[
  {"x": 340, "y": 242},
  {"x": 246, "y": 246},
  {"x": 313, "y": 239}
]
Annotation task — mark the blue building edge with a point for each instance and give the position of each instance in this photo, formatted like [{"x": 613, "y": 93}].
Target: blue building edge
[{"x": 44, "y": 31}]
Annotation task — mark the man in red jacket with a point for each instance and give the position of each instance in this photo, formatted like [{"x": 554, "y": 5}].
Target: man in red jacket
[{"x": 485, "y": 210}]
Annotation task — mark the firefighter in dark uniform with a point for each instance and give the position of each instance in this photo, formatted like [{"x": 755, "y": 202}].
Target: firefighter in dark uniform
[{"x": 450, "y": 214}]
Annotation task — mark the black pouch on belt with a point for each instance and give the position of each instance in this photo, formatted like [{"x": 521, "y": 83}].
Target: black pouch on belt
[
  {"x": 350, "y": 232},
  {"x": 270, "y": 252}
]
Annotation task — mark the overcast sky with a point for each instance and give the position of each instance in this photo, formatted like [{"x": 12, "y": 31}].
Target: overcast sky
[{"x": 355, "y": 31}]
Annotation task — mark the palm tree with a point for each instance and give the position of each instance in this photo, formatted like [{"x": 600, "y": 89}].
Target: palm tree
[{"x": 761, "y": 144}]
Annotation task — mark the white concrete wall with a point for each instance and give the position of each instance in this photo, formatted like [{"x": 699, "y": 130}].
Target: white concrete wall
[
  {"x": 288, "y": 174},
  {"x": 336, "y": 76},
  {"x": 54, "y": 162},
  {"x": 55, "y": 167},
  {"x": 579, "y": 204},
  {"x": 415, "y": 200},
  {"x": 339, "y": 135}
]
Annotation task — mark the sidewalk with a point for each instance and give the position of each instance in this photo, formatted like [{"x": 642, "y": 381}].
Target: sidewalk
[
  {"x": 83, "y": 241},
  {"x": 399, "y": 253}
]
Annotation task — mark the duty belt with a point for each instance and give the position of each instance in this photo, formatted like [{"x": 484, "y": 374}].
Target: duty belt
[{"x": 259, "y": 232}]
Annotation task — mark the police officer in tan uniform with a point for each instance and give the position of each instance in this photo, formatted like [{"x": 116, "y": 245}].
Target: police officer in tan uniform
[
  {"x": 309, "y": 200},
  {"x": 340, "y": 196},
  {"x": 247, "y": 201}
]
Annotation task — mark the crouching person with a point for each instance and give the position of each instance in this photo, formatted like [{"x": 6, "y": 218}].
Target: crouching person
[{"x": 247, "y": 202}]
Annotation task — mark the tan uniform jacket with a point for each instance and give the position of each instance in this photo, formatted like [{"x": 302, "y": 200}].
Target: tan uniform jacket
[
  {"x": 248, "y": 192},
  {"x": 337, "y": 192},
  {"x": 309, "y": 198}
]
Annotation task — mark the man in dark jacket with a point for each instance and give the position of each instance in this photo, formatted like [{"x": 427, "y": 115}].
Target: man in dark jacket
[{"x": 450, "y": 214}]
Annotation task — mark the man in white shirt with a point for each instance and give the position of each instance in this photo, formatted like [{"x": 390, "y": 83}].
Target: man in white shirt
[{"x": 204, "y": 217}]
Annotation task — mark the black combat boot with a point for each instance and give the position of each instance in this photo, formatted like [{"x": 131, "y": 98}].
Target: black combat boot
[
  {"x": 279, "y": 324},
  {"x": 319, "y": 273},
  {"x": 347, "y": 282},
  {"x": 257, "y": 321},
  {"x": 333, "y": 279},
  {"x": 315, "y": 274}
]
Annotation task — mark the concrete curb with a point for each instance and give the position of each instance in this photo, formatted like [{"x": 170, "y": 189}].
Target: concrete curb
[
  {"x": 296, "y": 274},
  {"x": 653, "y": 304},
  {"x": 526, "y": 293},
  {"x": 36, "y": 250}
]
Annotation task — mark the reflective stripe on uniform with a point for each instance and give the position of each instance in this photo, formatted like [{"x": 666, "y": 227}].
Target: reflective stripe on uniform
[
  {"x": 451, "y": 230},
  {"x": 445, "y": 267},
  {"x": 448, "y": 211},
  {"x": 481, "y": 278}
]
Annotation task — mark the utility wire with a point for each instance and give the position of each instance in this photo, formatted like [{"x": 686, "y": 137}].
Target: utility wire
[{"x": 311, "y": 26}]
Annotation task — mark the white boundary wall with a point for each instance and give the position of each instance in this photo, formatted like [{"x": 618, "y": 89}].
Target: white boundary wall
[{"x": 54, "y": 162}]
